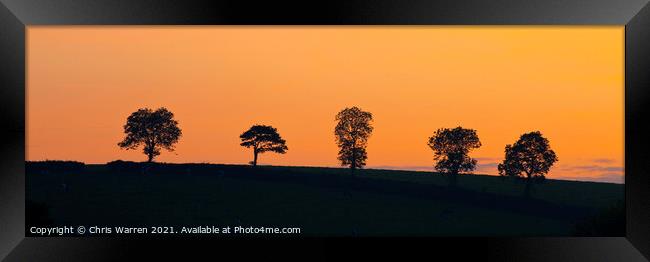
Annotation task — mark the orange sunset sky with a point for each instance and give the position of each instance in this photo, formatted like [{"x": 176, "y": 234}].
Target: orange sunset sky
[{"x": 567, "y": 82}]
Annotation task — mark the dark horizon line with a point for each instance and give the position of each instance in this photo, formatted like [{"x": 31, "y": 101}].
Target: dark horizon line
[{"x": 379, "y": 168}]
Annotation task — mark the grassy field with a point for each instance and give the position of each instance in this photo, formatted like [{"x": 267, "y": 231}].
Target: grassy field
[{"x": 377, "y": 202}]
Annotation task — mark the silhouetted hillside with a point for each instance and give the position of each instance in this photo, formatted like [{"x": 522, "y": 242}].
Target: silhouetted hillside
[{"x": 380, "y": 202}]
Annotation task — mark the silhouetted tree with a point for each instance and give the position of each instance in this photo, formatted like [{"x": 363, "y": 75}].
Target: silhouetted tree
[
  {"x": 352, "y": 133},
  {"x": 530, "y": 158},
  {"x": 263, "y": 139},
  {"x": 450, "y": 151},
  {"x": 154, "y": 129}
]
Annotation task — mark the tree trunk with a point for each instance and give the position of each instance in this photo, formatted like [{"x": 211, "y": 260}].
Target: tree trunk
[
  {"x": 254, "y": 158},
  {"x": 150, "y": 157},
  {"x": 150, "y": 149}
]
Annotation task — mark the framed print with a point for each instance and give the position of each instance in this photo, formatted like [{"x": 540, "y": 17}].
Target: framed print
[{"x": 515, "y": 130}]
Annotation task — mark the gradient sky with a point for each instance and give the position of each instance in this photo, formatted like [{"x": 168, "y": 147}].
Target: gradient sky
[{"x": 567, "y": 82}]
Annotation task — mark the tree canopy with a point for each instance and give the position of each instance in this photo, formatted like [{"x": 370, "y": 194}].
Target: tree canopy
[
  {"x": 351, "y": 133},
  {"x": 263, "y": 139},
  {"x": 451, "y": 149},
  {"x": 155, "y": 130},
  {"x": 530, "y": 157}
]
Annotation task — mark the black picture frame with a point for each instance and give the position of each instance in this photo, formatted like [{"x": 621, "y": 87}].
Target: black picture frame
[{"x": 15, "y": 15}]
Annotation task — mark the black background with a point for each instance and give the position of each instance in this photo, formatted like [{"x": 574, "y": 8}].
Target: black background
[{"x": 16, "y": 14}]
